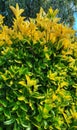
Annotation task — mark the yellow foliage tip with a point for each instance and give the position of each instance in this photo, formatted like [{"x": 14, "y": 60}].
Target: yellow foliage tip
[
  {"x": 17, "y": 12},
  {"x": 22, "y": 83},
  {"x": 21, "y": 98},
  {"x": 1, "y": 19}
]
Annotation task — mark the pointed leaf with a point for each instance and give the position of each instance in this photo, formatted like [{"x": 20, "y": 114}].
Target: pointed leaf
[
  {"x": 9, "y": 122},
  {"x": 3, "y": 102},
  {"x": 7, "y": 113}
]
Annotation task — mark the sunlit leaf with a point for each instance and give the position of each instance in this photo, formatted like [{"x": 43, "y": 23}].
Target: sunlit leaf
[
  {"x": 21, "y": 98},
  {"x": 9, "y": 122},
  {"x": 22, "y": 83},
  {"x": 17, "y": 12}
]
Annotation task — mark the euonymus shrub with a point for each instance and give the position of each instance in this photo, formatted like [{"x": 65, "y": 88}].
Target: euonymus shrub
[{"x": 38, "y": 73}]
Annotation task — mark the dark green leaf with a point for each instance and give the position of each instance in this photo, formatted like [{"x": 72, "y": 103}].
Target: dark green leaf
[{"x": 7, "y": 113}]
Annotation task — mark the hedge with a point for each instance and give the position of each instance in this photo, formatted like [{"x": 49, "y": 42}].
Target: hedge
[{"x": 38, "y": 73}]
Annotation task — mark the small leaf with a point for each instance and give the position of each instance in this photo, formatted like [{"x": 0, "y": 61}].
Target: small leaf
[
  {"x": 9, "y": 122},
  {"x": 35, "y": 123},
  {"x": 22, "y": 83},
  {"x": 24, "y": 123},
  {"x": 15, "y": 126},
  {"x": 7, "y": 113},
  {"x": 15, "y": 108},
  {"x": 25, "y": 126},
  {"x": 45, "y": 124},
  {"x": 21, "y": 98},
  {"x": 24, "y": 107},
  {"x": 1, "y": 108},
  {"x": 38, "y": 95},
  {"x": 39, "y": 118},
  {"x": 4, "y": 77},
  {"x": 4, "y": 103},
  {"x": 18, "y": 61}
]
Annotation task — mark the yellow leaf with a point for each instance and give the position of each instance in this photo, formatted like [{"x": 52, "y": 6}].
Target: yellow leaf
[
  {"x": 20, "y": 90},
  {"x": 56, "y": 12},
  {"x": 74, "y": 115},
  {"x": 30, "y": 82},
  {"x": 63, "y": 84},
  {"x": 4, "y": 77},
  {"x": 47, "y": 56},
  {"x": 1, "y": 19},
  {"x": 73, "y": 112},
  {"x": 22, "y": 83},
  {"x": 66, "y": 43},
  {"x": 52, "y": 75},
  {"x": 54, "y": 97},
  {"x": 68, "y": 121},
  {"x": 17, "y": 12},
  {"x": 45, "y": 48},
  {"x": 21, "y": 98}
]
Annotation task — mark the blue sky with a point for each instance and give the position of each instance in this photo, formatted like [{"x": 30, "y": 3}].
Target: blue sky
[{"x": 75, "y": 23}]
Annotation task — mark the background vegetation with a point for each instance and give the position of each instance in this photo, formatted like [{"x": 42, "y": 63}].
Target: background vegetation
[{"x": 31, "y": 7}]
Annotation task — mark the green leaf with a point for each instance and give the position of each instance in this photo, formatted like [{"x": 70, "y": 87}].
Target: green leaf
[
  {"x": 45, "y": 124},
  {"x": 1, "y": 108},
  {"x": 1, "y": 62},
  {"x": 25, "y": 123},
  {"x": 9, "y": 99},
  {"x": 1, "y": 84},
  {"x": 18, "y": 61},
  {"x": 39, "y": 118},
  {"x": 28, "y": 128},
  {"x": 1, "y": 128},
  {"x": 16, "y": 127},
  {"x": 3, "y": 102},
  {"x": 15, "y": 108},
  {"x": 38, "y": 95},
  {"x": 29, "y": 64},
  {"x": 35, "y": 123},
  {"x": 9, "y": 122},
  {"x": 24, "y": 107},
  {"x": 7, "y": 113}
]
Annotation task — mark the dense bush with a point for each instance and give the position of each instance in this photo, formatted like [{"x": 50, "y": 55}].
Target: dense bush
[{"x": 38, "y": 73}]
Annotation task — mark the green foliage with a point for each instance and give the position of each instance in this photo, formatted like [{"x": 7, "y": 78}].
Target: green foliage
[{"x": 38, "y": 80}]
